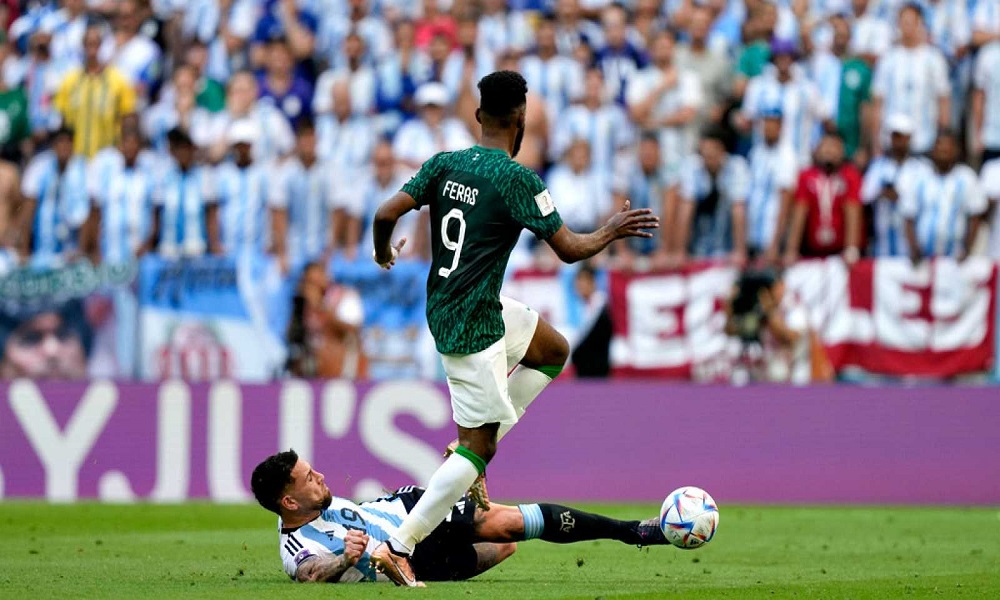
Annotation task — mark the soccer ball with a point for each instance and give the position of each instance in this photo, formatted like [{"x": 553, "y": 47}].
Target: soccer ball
[{"x": 689, "y": 517}]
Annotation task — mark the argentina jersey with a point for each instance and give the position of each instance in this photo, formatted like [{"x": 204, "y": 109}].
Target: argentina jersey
[
  {"x": 61, "y": 205},
  {"x": 883, "y": 174},
  {"x": 910, "y": 82},
  {"x": 324, "y": 536},
  {"x": 940, "y": 205},
  {"x": 772, "y": 171},
  {"x": 305, "y": 193},
  {"x": 802, "y": 109},
  {"x": 182, "y": 199},
  {"x": 124, "y": 195},
  {"x": 242, "y": 195}
]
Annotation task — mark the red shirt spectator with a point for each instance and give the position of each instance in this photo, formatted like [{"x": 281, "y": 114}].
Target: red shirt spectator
[
  {"x": 826, "y": 219},
  {"x": 434, "y": 23}
]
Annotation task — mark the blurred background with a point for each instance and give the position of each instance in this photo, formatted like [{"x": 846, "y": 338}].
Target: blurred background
[{"x": 187, "y": 189}]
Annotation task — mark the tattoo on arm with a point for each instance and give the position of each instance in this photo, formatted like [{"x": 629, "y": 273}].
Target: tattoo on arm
[{"x": 321, "y": 569}]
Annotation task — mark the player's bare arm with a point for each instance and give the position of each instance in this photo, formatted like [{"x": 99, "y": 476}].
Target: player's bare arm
[
  {"x": 571, "y": 247},
  {"x": 386, "y": 217}
]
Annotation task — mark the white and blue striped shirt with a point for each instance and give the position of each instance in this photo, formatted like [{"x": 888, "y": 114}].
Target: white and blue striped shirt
[
  {"x": 773, "y": 170},
  {"x": 559, "y": 80},
  {"x": 183, "y": 197},
  {"x": 948, "y": 24},
  {"x": 986, "y": 16},
  {"x": 347, "y": 144},
  {"x": 61, "y": 205},
  {"x": 124, "y": 195},
  {"x": 941, "y": 204},
  {"x": 802, "y": 109},
  {"x": 990, "y": 182},
  {"x": 242, "y": 195},
  {"x": 607, "y": 129},
  {"x": 910, "y": 82},
  {"x": 306, "y": 193},
  {"x": 987, "y": 79},
  {"x": 884, "y": 172},
  {"x": 712, "y": 227}
]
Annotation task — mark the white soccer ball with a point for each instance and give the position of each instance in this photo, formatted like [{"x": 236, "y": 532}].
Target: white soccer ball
[{"x": 689, "y": 517}]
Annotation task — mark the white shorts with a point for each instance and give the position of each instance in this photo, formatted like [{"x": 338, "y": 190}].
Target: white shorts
[{"x": 478, "y": 382}]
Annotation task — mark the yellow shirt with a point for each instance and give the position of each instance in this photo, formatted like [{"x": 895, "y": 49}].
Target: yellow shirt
[{"x": 93, "y": 105}]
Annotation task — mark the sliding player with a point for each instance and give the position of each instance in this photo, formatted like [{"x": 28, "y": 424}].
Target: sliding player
[
  {"x": 480, "y": 200},
  {"x": 330, "y": 539}
]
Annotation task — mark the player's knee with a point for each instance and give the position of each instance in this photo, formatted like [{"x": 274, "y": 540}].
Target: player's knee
[{"x": 559, "y": 350}]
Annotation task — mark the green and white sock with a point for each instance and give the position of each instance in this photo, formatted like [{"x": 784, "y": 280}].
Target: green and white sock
[{"x": 524, "y": 385}]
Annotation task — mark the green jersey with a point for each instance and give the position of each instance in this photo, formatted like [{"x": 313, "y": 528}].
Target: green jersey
[
  {"x": 479, "y": 200},
  {"x": 14, "y": 125},
  {"x": 855, "y": 90}
]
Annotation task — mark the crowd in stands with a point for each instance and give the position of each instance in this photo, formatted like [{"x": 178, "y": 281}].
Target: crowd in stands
[{"x": 759, "y": 130}]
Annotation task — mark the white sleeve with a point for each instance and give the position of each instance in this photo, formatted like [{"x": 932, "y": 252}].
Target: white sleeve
[
  {"x": 637, "y": 89},
  {"x": 211, "y": 180},
  {"x": 942, "y": 83},
  {"x": 990, "y": 180},
  {"x": 281, "y": 132},
  {"x": 788, "y": 175},
  {"x": 243, "y": 18},
  {"x": 32, "y": 182},
  {"x": 346, "y": 197},
  {"x": 880, "y": 79},
  {"x": 751, "y": 99},
  {"x": 975, "y": 199},
  {"x": 907, "y": 190},
  {"x": 95, "y": 182},
  {"x": 297, "y": 549},
  {"x": 277, "y": 192},
  {"x": 820, "y": 107},
  {"x": 688, "y": 176},
  {"x": 981, "y": 75},
  {"x": 322, "y": 101},
  {"x": 739, "y": 182},
  {"x": 350, "y": 310},
  {"x": 690, "y": 91},
  {"x": 984, "y": 19},
  {"x": 871, "y": 184}
]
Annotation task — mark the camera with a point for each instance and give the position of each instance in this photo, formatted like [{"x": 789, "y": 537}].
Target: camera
[{"x": 748, "y": 317}]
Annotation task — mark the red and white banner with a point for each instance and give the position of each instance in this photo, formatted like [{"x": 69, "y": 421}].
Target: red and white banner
[{"x": 885, "y": 316}]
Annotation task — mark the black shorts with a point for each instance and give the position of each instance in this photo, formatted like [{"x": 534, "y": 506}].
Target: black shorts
[{"x": 447, "y": 554}]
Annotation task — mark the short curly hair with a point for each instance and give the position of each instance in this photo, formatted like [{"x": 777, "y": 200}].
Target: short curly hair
[
  {"x": 502, "y": 94},
  {"x": 271, "y": 477}
]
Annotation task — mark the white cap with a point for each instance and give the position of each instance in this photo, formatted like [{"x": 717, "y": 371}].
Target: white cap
[
  {"x": 432, "y": 93},
  {"x": 899, "y": 123},
  {"x": 243, "y": 131}
]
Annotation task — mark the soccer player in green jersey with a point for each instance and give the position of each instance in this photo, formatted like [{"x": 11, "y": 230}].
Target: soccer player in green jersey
[{"x": 480, "y": 200}]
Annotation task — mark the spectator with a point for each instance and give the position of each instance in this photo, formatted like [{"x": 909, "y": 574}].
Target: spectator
[
  {"x": 276, "y": 137},
  {"x": 985, "y": 23},
  {"x": 602, "y": 123},
  {"x": 844, "y": 82},
  {"x": 15, "y": 128},
  {"x": 382, "y": 181},
  {"x": 185, "y": 214},
  {"x": 359, "y": 74},
  {"x": 211, "y": 94},
  {"x": 433, "y": 132},
  {"x": 912, "y": 79},
  {"x": 225, "y": 28},
  {"x": 556, "y": 77},
  {"x": 179, "y": 109},
  {"x": 572, "y": 31},
  {"x": 434, "y": 23},
  {"x": 121, "y": 191},
  {"x": 51, "y": 342},
  {"x": 943, "y": 206},
  {"x": 284, "y": 19},
  {"x": 39, "y": 78},
  {"x": 710, "y": 65},
  {"x": 773, "y": 176},
  {"x": 324, "y": 335},
  {"x": 990, "y": 181},
  {"x": 467, "y": 63},
  {"x": 714, "y": 187},
  {"x": 986, "y": 103},
  {"x": 95, "y": 123},
  {"x": 826, "y": 217},
  {"x": 871, "y": 34},
  {"x": 666, "y": 99},
  {"x": 645, "y": 185},
  {"x": 591, "y": 346},
  {"x": 881, "y": 185},
  {"x": 301, "y": 200},
  {"x": 619, "y": 59},
  {"x": 397, "y": 78},
  {"x": 784, "y": 83},
  {"x": 132, "y": 53},
  {"x": 54, "y": 203},
  {"x": 66, "y": 27},
  {"x": 345, "y": 139},
  {"x": 582, "y": 192},
  {"x": 758, "y": 30},
  {"x": 241, "y": 192},
  {"x": 279, "y": 85},
  {"x": 334, "y": 28},
  {"x": 647, "y": 21},
  {"x": 502, "y": 31}
]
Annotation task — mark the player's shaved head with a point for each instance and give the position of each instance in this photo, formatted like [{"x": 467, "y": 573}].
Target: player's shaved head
[
  {"x": 271, "y": 477},
  {"x": 502, "y": 105}
]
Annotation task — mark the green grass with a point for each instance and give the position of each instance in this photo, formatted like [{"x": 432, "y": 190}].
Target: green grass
[{"x": 204, "y": 551}]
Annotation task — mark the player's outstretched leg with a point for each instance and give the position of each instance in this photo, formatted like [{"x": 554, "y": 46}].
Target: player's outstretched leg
[{"x": 563, "y": 525}]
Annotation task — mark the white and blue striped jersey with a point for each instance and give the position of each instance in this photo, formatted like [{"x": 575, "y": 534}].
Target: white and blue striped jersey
[
  {"x": 242, "y": 195},
  {"x": 826, "y": 72},
  {"x": 183, "y": 197},
  {"x": 138, "y": 60},
  {"x": 990, "y": 181},
  {"x": 676, "y": 143},
  {"x": 871, "y": 34},
  {"x": 415, "y": 141},
  {"x": 941, "y": 204},
  {"x": 503, "y": 31},
  {"x": 986, "y": 16},
  {"x": 773, "y": 170},
  {"x": 802, "y": 109},
  {"x": 124, "y": 195},
  {"x": 347, "y": 144},
  {"x": 607, "y": 129},
  {"x": 559, "y": 80},
  {"x": 882, "y": 173},
  {"x": 987, "y": 79},
  {"x": 61, "y": 205},
  {"x": 910, "y": 82},
  {"x": 275, "y": 138},
  {"x": 306, "y": 193},
  {"x": 711, "y": 226},
  {"x": 324, "y": 536},
  {"x": 159, "y": 119},
  {"x": 453, "y": 72},
  {"x": 949, "y": 25}
]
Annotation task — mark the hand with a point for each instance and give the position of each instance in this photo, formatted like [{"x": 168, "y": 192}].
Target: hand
[
  {"x": 851, "y": 255},
  {"x": 387, "y": 262},
  {"x": 355, "y": 543},
  {"x": 632, "y": 223}
]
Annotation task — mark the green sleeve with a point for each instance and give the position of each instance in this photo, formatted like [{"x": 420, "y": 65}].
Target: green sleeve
[
  {"x": 21, "y": 128},
  {"x": 531, "y": 206},
  {"x": 422, "y": 185}
]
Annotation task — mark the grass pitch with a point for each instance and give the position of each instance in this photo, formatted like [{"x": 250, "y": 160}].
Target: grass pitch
[{"x": 205, "y": 551}]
